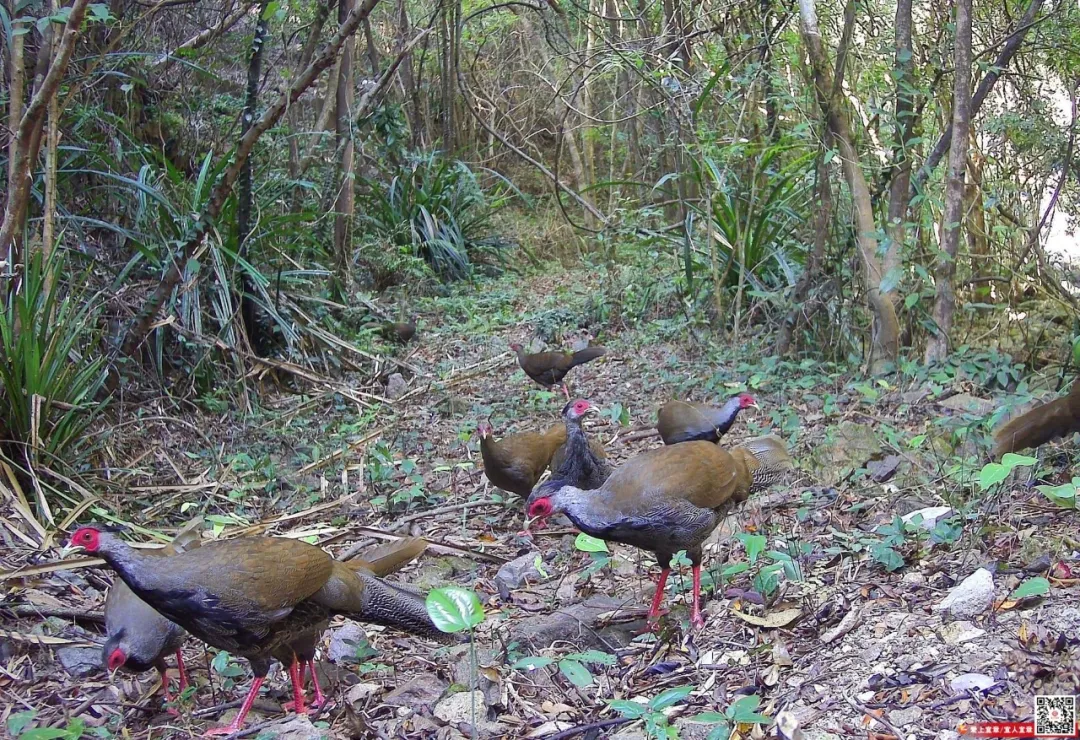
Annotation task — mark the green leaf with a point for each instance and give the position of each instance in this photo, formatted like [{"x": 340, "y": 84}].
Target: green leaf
[
  {"x": 576, "y": 673},
  {"x": 1031, "y": 587},
  {"x": 532, "y": 663},
  {"x": 454, "y": 609},
  {"x": 744, "y": 710},
  {"x": 992, "y": 474},
  {"x": 670, "y": 697},
  {"x": 891, "y": 279},
  {"x": 629, "y": 709},
  {"x": 755, "y": 545},
  {"x": 710, "y": 717},
  {"x": 735, "y": 569},
  {"x": 1063, "y": 495},
  {"x": 43, "y": 733},
  {"x": 1012, "y": 460},
  {"x": 19, "y": 721},
  {"x": 593, "y": 656},
  {"x": 588, "y": 543}
]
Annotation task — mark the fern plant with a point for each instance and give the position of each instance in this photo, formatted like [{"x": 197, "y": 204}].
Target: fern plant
[{"x": 49, "y": 373}]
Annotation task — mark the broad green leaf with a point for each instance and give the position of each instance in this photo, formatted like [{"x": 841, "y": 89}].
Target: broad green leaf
[
  {"x": 754, "y": 544},
  {"x": 1063, "y": 495},
  {"x": 588, "y": 543},
  {"x": 744, "y": 709},
  {"x": 454, "y": 609},
  {"x": 577, "y": 673},
  {"x": 735, "y": 569},
  {"x": 1012, "y": 460},
  {"x": 992, "y": 474},
  {"x": 532, "y": 663},
  {"x": 1031, "y": 587},
  {"x": 593, "y": 656},
  {"x": 630, "y": 709},
  {"x": 710, "y": 717},
  {"x": 43, "y": 733},
  {"x": 19, "y": 721},
  {"x": 670, "y": 697}
]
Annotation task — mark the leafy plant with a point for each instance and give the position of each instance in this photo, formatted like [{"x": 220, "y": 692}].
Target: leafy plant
[
  {"x": 652, "y": 713},
  {"x": 994, "y": 473},
  {"x": 1063, "y": 495},
  {"x": 456, "y": 609},
  {"x": 572, "y": 666},
  {"x": 49, "y": 380},
  {"x": 742, "y": 711},
  {"x": 18, "y": 726}
]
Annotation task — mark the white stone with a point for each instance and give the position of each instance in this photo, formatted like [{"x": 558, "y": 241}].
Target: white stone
[
  {"x": 955, "y": 633},
  {"x": 971, "y": 597},
  {"x": 931, "y": 515}
]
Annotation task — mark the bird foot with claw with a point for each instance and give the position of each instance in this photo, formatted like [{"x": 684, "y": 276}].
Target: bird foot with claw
[
  {"x": 290, "y": 706},
  {"x": 697, "y": 622},
  {"x": 227, "y": 730}
]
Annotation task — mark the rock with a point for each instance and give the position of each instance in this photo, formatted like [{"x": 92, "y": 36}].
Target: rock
[
  {"x": 361, "y": 692},
  {"x": 971, "y": 597},
  {"x": 971, "y": 681},
  {"x": 931, "y": 515},
  {"x": 691, "y": 730},
  {"x": 420, "y": 693},
  {"x": 630, "y": 734},
  {"x": 461, "y": 672},
  {"x": 955, "y": 633},
  {"x": 343, "y": 643},
  {"x": 846, "y": 447},
  {"x": 441, "y": 572},
  {"x": 579, "y": 624},
  {"x": 905, "y": 716},
  {"x": 396, "y": 387},
  {"x": 294, "y": 727},
  {"x": 969, "y": 404},
  {"x": 458, "y": 708},
  {"x": 882, "y": 470},
  {"x": 519, "y": 570},
  {"x": 80, "y": 662},
  {"x": 913, "y": 397},
  {"x": 820, "y": 735}
]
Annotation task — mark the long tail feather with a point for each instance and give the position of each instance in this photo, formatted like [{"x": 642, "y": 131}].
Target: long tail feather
[
  {"x": 389, "y": 558},
  {"x": 1058, "y": 418},
  {"x": 589, "y": 353},
  {"x": 392, "y": 606}
]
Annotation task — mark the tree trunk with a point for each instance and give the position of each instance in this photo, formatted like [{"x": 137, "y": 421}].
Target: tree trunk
[
  {"x": 937, "y": 349},
  {"x": 245, "y": 197},
  {"x": 141, "y": 324},
  {"x": 345, "y": 205},
  {"x": 1008, "y": 50},
  {"x": 904, "y": 111},
  {"x": 30, "y": 126},
  {"x": 417, "y": 134},
  {"x": 884, "y": 346}
]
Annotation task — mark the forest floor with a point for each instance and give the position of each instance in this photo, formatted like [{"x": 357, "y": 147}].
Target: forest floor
[{"x": 825, "y": 603}]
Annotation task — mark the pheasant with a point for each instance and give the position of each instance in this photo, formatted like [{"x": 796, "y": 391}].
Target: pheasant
[{"x": 548, "y": 369}]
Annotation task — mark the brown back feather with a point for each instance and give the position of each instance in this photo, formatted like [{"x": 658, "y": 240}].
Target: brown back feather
[{"x": 1058, "y": 418}]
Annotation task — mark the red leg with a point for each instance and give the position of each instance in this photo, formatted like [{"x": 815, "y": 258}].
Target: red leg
[
  {"x": 658, "y": 597},
  {"x": 249, "y": 700},
  {"x": 696, "y": 621},
  {"x": 165, "y": 689},
  {"x": 320, "y": 697},
  {"x": 296, "y": 673},
  {"x": 566, "y": 391},
  {"x": 183, "y": 671}
]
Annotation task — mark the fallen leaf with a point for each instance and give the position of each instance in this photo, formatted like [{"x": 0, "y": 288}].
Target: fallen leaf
[{"x": 772, "y": 620}]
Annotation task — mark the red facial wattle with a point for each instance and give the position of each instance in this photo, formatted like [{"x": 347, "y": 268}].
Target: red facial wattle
[{"x": 116, "y": 659}]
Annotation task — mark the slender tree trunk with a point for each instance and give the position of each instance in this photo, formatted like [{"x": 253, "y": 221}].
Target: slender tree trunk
[
  {"x": 904, "y": 111},
  {"x": 884, "y": 346},
  {"x": 30, "y": 126},
  {"x": 141, "y": 324},
  {"x": 1008, "y": 51},
  {"x": 245, "y": 195},
  {"x": 937, "y": 349},
  {"x": 344, "y": 207},
  {"x": 411, "y": 96}
]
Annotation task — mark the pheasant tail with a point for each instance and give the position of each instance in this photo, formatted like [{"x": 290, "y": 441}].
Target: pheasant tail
[
  {"x": 589, "y": 353},
  {"x": 391, "y": 606},
  {"x": 1058, "y": 418},
  {"x": 390, "y": 558},
  {"x": 766, "y": 459}
]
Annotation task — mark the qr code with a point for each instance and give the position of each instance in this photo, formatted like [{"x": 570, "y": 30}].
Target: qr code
[{"x": 1055, "y": 716}]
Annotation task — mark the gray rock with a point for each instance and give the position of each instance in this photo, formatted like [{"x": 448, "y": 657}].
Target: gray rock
[
  {"x": 579, "y": 624},
  {"x": 396, "y": 386},
  {"x": 361, "y": 692},
  {"x": 691, "y": 730},
  {"x": 462, "y": 674},
  {"x": 820, "y": 735},
  {"x": 458, "y": 708},
  {"x": 343, "y": 643},
  {"x": 905, "y": 716},
  {"x": 967, "y": 403},
  {"x": 293, "y": 727},
  {"x": 882, "y": 470},
  {"x": 420, "y": 693},
  {"x": 519, "y": 570},
  {"x": 80, "y": 662},
  {"x": 971, "y": 597},
  {"x": 846, "y": 446},
  {"x": 955, "y": 633}
]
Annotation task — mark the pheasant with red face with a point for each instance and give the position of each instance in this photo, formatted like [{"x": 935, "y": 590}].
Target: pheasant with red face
[
  {"x": 257, "y": 597},
  {"x": 549, "y": 368},
  {"x": 682, "y": 421},
  {"x": 138, "y": 638},
  {"x": 669, "y": 499},
  {"x": 580, "y": 462}
]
